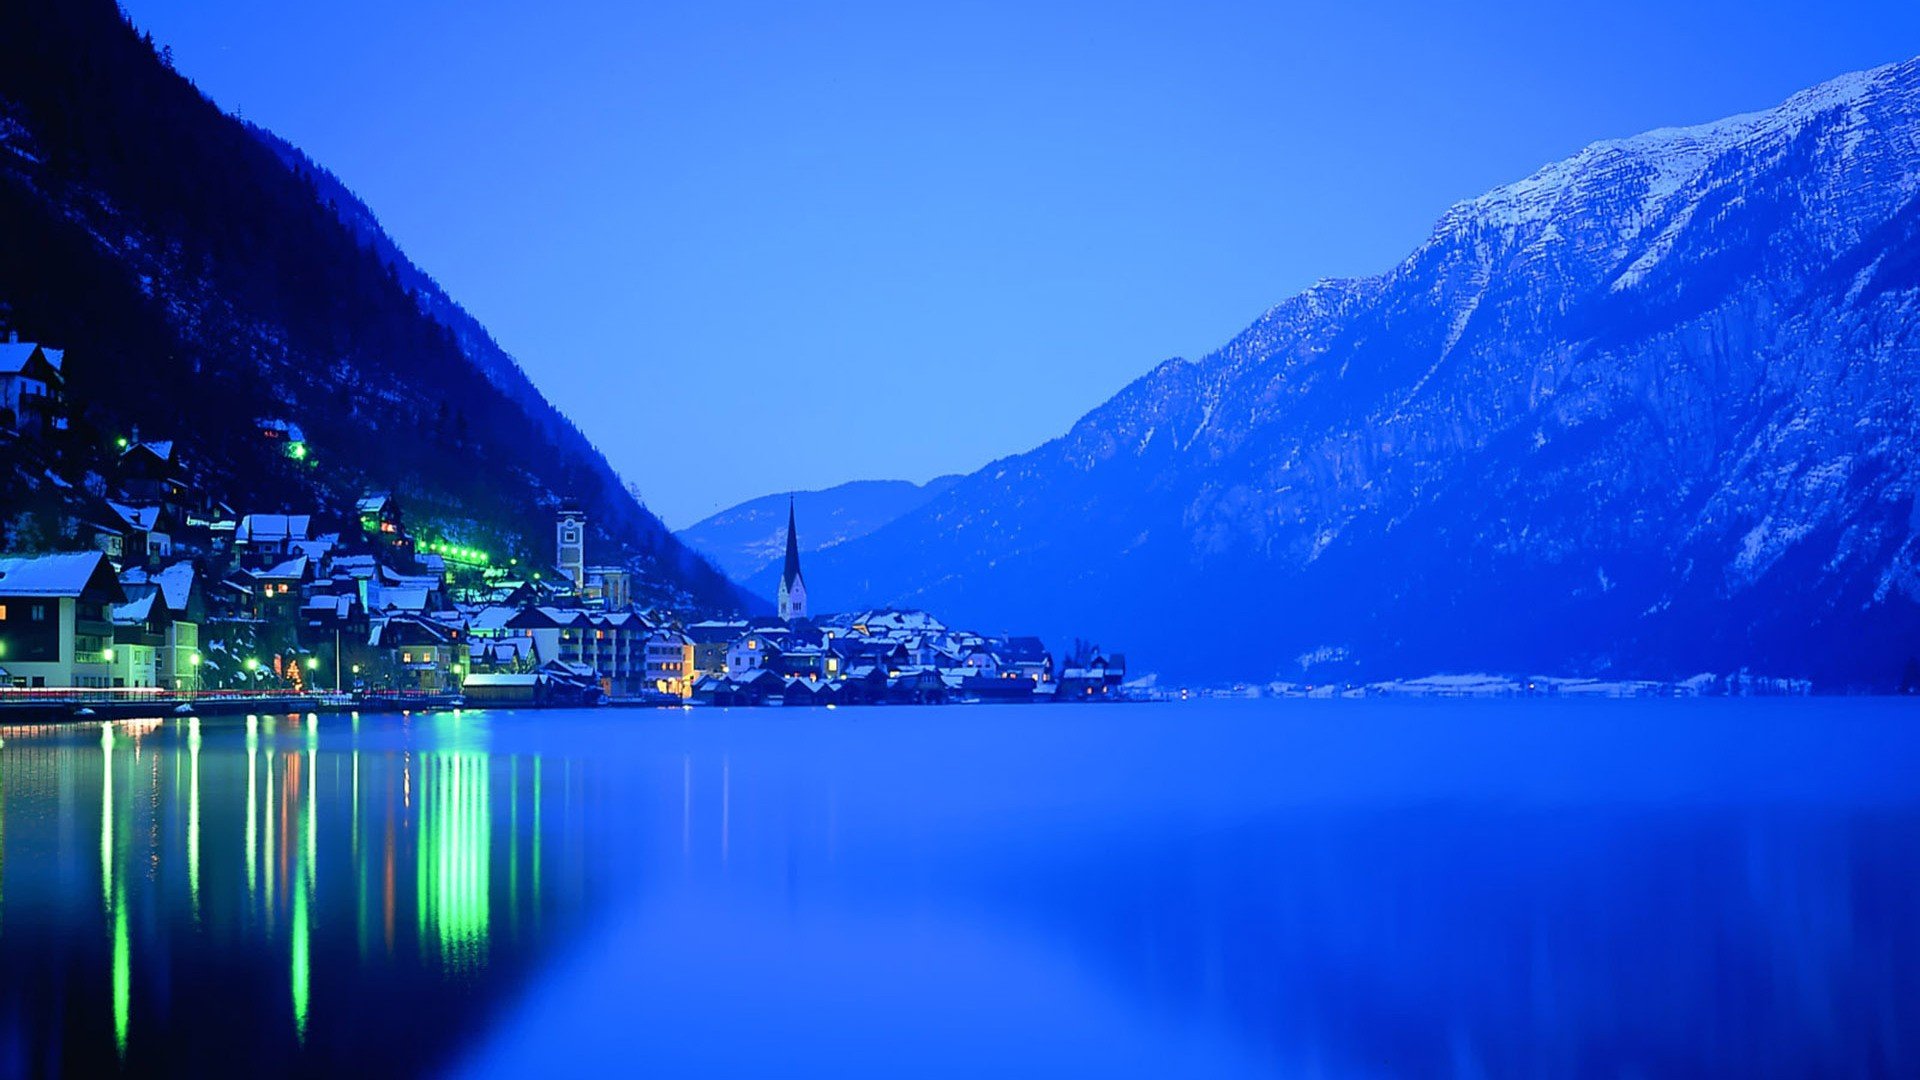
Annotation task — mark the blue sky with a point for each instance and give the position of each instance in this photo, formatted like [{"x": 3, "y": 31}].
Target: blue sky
[{"x": 756, "y": 247}]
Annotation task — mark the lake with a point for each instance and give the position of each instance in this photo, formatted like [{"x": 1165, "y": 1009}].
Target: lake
[{"x": 1341, "y": 888}]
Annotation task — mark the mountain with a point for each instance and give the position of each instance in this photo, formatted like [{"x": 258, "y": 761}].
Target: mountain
[
  {"x": 748, "y": 541},
  {"x": 1650, "y": 410},
  {"x": 203, "y": 275}
]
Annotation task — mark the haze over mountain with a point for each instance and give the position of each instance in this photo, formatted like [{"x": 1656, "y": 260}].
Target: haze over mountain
[
  {"x": 747, "y": 541},
  {"x": 202, "y": 275},
  {"x": 1650, "y": 410}
]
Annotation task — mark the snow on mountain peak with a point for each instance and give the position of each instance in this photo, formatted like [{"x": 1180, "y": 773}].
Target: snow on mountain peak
[{"x": 1671, "y": 159}]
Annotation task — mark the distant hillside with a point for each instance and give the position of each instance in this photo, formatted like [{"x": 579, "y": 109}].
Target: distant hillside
[
  {"x": 745, "y": 540},
  {"x": 203, "y": 275},
  {"x": 1651, "y": 410}
]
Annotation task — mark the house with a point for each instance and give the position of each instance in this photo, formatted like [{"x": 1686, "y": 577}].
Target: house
[
  {"x": 147, "y": 535},
  {"x": 279, "y": 590},
  {"x": 711, "y": 640},
  {"x": 503, "y": 688},
  {"x": 416, "y": 653},
  {"x": 139, "y": 633},
  {"x": 177, "y": 662},
  {"x": 382, "y": 525},
  {"x": 669, "y": 656},
  {"x": 261, "y": 538},
  {"x": 807, "y": 691},
  {"x": 1027, "y": 658},
  {"x": 917, "y": 686},
  {"x": 754, "y": 651},
  {"x": 56, "y": 619},
  {"x": 1092, "y": 674},
  {"x": 32, "y": 387},
  {"x": 610, "y": 587},
  {"x": 147, "y": 472}
]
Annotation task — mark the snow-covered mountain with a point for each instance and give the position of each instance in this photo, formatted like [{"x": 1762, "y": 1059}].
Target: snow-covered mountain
[
  {"x": 747, "y": 541},
  {"x": 1650, "y": 409}
]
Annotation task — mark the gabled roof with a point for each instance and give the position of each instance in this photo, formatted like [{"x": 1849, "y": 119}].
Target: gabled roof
[
  {"x": 174, "y": 582},
  {"x": 294, "y": 569},
  {"x": 144, "y": 518},
  {"x": 75, "y": 573},
  {"x": 373, "y": 504},
  {"x": 134, "y": 612},
  {"x": 16, "y": 356},
  {"x": 161, "y": 449},
  {"x": 269, "y": 528}
]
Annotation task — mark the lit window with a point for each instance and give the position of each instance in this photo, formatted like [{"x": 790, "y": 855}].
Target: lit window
[
  {"x": 406, "y": 658},
  {"x": 3, "y": 613}
]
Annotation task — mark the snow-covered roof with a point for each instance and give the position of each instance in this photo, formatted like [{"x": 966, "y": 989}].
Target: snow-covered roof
[
  {"x": 64, "y": 574},
  {"x": 15, "y": 355},
  {"x": 372, "y": 504},
  {"x": 143, "y": 518},
  {"x": 403, "y": 599},
  {"x": 134, "y": 611},
  {"x": 294, "y": 569},
  {"x": 265, "y": 528}
]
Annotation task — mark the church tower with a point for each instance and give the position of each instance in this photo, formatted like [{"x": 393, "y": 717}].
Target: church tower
[
  {"x": 570, "y": 543},
  {"x": 793, "y": 591}
]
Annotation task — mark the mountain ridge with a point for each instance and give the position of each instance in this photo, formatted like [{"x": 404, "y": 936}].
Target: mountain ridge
[
  {"x": 1573, "y": 379},
  {"x": 747, "y": 541}
]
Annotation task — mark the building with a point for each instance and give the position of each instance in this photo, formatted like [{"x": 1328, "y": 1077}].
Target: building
[
  {"x": 32, "y": 386},
  {"x": 56, "y": 619},
  {"x": 670, "y": 667},
  {"x": 177, "y": 660},
  {"x": 792, "y": 601},
  {"x": 570, "y": 547}
]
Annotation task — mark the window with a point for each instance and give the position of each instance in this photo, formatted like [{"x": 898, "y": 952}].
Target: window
[
  {"x": 3, "y": 613},
  {"x": 406, "y": 658},
  {"x": 38, "y": 613}
]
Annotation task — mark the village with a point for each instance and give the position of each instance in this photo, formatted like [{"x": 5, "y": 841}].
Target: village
[{"x": 166, "y": 590}]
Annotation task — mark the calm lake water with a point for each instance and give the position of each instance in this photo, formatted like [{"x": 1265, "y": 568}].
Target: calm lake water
[{"x": 1236, "y": 888}]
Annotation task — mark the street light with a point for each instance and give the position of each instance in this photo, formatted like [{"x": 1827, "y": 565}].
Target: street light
[{"x": 313, "y": 663}]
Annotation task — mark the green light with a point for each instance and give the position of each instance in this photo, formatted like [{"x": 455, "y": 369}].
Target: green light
[
  {"x": 313, "y": 663},
  {"x": 252, "y": 664},
  {"x": 107, "y": 654},
  {"x": 194, "y": 660},
  {"x": 301, "y": 974},
  {"x": 122, "y": 974},
  {"x": 297, "y": 451},
  {"x": 193, "y": 812}
]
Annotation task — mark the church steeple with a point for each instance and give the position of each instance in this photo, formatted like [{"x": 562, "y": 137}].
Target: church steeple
[{"x": 792, "y": 600}]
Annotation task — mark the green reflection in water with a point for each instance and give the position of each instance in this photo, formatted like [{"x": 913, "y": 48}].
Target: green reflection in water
[
  {"x": 193, "y": 813},
  {"x": 122, "y": 972},
  {"x": 299, "y": 972},
  {"x": 106, "y": 815},
  {"x": 452, "y": 864},
  {"x": 253, "y": 812}
]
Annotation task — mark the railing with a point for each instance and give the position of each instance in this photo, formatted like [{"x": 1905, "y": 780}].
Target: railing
[{"x": 67, "y": 695}]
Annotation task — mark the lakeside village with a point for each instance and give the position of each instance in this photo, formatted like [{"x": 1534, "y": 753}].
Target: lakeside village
[{"x": 166, "y": 591}]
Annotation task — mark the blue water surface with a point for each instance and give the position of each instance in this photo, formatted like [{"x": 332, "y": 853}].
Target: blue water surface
[{"x": 1264, "y": 888}]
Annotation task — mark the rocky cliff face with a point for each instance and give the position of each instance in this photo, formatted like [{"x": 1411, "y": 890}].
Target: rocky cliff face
[{"x": 1649, "y": 409}]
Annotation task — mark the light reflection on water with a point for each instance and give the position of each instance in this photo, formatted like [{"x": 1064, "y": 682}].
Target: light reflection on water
[{"x": 1664, "y": 888}]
